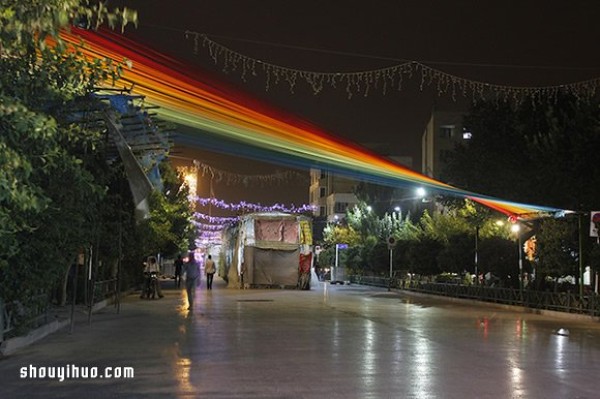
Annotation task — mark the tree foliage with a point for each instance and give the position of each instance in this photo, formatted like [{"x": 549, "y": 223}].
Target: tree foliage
[
  {"x": 542, "y": 153},
  {"x": 52, "y": 176},
  {"x": 438, "y": 242},
  {"x": 168, "y": 229},
  {"x": 558, "y": 247}
]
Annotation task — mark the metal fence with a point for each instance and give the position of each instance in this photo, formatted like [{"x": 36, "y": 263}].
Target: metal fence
[
  {"x": 568, "y": 302},
  {"x": 15, "y": 317},
  {"x": 103, "y": 290}
]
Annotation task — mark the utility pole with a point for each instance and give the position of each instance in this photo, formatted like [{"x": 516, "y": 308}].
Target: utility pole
[{"x": 476, "y": 254}]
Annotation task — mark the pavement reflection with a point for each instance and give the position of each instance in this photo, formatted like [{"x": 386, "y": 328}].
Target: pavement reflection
[{"x": 331, "y": 341}]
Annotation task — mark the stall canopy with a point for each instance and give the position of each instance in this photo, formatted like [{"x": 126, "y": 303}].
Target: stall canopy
[{"x": 270, "y": 249}]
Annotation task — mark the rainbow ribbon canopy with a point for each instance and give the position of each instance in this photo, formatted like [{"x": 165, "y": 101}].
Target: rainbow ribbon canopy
[{"x": 226, "y": 120}]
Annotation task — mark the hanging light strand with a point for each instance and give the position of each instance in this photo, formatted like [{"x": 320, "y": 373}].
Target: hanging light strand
[
  {"x": 210, "y": 227},
  {"x": 263, "y": 180},
  {"x": 215, "y": 219},
  {"x": 386, "y": 78},
  {"x": 244, "y": 206}
]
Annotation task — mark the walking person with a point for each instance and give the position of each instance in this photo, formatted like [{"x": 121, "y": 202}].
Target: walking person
[
  {"x": 178, "y": 270},
  {"x": 192, "y": 273},
  {"x": 210, "y": 271}
]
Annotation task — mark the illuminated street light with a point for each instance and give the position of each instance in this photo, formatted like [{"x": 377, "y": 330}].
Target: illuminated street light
[
  {"x": 421, "y": 193},
  {"x": 190, "y": 176}
]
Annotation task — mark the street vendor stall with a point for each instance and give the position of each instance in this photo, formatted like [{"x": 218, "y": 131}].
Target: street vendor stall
[{"x": 269, "y": 249}]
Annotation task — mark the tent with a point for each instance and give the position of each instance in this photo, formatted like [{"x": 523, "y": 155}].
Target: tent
[{"x": 266, "y": 250}]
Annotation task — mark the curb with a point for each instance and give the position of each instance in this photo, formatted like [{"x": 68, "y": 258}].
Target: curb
[{"x": 12, "y": 345}]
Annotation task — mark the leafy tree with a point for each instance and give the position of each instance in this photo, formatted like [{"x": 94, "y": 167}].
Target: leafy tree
[
  {"x": 168, "y": 230},
  {"x": 439, "y": 242},
  {"x": 335, "y": 234},
  {"x": 558, "y": 248},
  {"x": 594, "y": 256},
  {"x": 499, "y": 256},
  {"x": 383, "y": 199},
  {"x": 364, "y": 222},
  {"x": 41, "y": 151},
  {"x": 457, "y": 254},
  {"x": 441, "y": 226},
  {"x": 422, "y": 256},
  {"x": 541, "y": 153}
]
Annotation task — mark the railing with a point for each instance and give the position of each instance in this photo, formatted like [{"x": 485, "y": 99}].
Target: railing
[
  {"x": 556, "y": 301},
  {"x": 103, "y": 290},
  {"x": 15, "y": 317},
  {"x": 371, "y": 280}
]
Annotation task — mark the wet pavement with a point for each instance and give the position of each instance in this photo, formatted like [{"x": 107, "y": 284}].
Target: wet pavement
[{"x": 330, "y": 342}]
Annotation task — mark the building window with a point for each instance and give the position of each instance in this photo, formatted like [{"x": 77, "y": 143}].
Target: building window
[
  {"x": 322, "y": 211},
  {"x": 341, "y": 207},
  {"x": 446, "y": 132},
  {"x": 323, "y": 174},
  {"x": 322, "y": 191}
]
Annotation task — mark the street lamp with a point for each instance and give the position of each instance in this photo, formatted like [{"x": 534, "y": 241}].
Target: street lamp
[
  {"x": 476, "y": 254},
  {"x": 515, "y": 228},
  {"x": 391, "y": 241}
]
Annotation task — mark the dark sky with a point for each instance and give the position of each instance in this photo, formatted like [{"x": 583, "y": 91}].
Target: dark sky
[{"x": 505, "y": 42}]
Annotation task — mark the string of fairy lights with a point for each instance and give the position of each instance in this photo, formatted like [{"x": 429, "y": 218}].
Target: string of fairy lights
[
  {"x": 384, "y": 79},
  {"x": 215, "y": 219},
  {"x": 229, "y": 178},
  {"x": 211, "y": 232},
  {"x": 246, "y": 207},
  {"x": 210, "y": 228}
]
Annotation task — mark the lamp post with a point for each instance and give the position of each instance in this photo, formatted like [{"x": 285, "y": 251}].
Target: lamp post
[
  {"x": 476, "y": 254},
  {"x": 336, "y": 275},
  {"x": 391, "y": 241},
  {"x": 516, "y": 229}
]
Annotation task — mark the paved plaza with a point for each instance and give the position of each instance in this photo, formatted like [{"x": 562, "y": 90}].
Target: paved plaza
[{"x": 329, "y": 342}]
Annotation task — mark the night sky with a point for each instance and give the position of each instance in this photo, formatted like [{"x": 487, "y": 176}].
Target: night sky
[{"x": 517, "y": 43}]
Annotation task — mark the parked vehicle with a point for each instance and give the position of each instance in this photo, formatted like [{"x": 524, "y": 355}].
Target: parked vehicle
[{"x": 151, "y": 286}]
